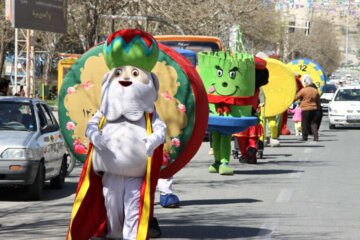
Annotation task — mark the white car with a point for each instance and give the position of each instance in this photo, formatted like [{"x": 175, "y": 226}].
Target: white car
[
  {"x": 327, "y": 94},
  {"x": 344, "y": 108},
  {"x": 32, "y": 149}
]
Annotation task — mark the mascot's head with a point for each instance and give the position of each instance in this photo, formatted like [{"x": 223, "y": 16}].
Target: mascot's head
[
  {"x": 129, "y": 89},
  {"x": 227, "y": 74}
]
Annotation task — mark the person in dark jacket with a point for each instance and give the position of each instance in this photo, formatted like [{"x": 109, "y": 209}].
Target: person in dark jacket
[
  {"x": 4, "y": 87},
  {"x": 319, "y": 113},
  {"x": 309, "y": 103}
]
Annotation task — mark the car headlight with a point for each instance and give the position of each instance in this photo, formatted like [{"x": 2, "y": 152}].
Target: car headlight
[
  {"x": 332, "y": 110},
  {"x": 18, "y": 154}
]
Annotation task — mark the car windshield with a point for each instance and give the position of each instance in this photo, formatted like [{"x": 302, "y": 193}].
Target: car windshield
[
  {"x": 329, "y": 88},
  {"x": 17, "y": 116},
  {"x": 193, "y": 45},
  {"x": 348, "y": 95}
]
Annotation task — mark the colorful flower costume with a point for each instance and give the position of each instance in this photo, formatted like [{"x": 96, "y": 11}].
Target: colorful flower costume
[
  {"x": 248, "y": 139},
  {"x": 230, "y": 82},
  {"x": 115, "y": 192}
]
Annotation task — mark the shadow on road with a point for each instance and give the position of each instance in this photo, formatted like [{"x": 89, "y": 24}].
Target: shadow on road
[
  {"x": 19, "y": 194},
  {"x": 294, "y": 162},
  {"x": 218, "y": 201},
  {"x": 301, "y": 146},
  {"x": 266, "y": 171},
  {"x": 341, "y": 129},
  {"x": 212, "y": 232},
  {"x": 36, "y": 229},
  {"x": 278, "y": 155}
]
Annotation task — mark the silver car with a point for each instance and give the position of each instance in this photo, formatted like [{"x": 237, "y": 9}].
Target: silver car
[{"x": 32, "y": 149}]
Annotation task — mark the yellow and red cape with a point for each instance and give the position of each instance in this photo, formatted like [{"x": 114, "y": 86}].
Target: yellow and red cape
[{"x": 88, "y": 218}]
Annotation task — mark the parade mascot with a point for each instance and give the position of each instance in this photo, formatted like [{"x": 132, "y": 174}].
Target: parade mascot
[
  {"x": 282, "y": 126},
  {"x": 279, "y": 95},
  {"x": 283, "y": 118},
  {"x": 229, "y": 79},
  {"x": 125, "y": 134},
  {"x": 249, "y": 140},
  {"x": 108, "y": 119}
]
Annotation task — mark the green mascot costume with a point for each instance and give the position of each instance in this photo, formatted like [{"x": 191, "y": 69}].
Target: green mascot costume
[{"x": 229, "y": 79}]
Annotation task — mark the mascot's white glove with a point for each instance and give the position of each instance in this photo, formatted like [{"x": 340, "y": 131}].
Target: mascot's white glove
[
  {"x": 149, "y": 147},
  {"x": 157, "y": 137},
  {"x": 93, "y": 133},
  {"x": 98, "y": 141}
]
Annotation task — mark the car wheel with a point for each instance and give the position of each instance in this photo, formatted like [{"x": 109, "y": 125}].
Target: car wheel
[
  {"x": 59, "y": 180},
  {"x": 70, "y": 163},
  {"x": 35, "y": 190},
  {"x": 331, "y": 126}
]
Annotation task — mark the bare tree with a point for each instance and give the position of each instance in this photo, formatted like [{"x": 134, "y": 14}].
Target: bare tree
[
  {"x": 48, "y": 42},
  {"x": 84, "y": 17},
  {"x": 260, "y": 25},
  {"x": 6, "y": 36},
  {"x": 321, "y": 45}
]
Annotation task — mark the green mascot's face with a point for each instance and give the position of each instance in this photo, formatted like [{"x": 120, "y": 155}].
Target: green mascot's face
[{"x": 225, "y": 74}]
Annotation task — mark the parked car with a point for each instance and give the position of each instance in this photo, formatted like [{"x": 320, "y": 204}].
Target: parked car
[
  {"x": 327, "y": 94},
  {"x": 344, "y": 108},
  {"x": 32, "y": 149}
]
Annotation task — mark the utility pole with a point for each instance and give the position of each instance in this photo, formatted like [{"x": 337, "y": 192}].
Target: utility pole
[
  {"x": 28, "y": 60},
  {"x": 16, "y": 59},
  {"x": 32, "y": 66},
  {"x": 22, "y": 44}
]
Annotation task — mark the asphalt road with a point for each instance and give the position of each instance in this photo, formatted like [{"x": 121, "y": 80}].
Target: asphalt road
[{"x": 298, "y": 191}]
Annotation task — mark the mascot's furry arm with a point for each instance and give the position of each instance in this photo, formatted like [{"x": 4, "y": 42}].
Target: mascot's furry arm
[
  {"x": 158, "y": 135},
  {"x": 93, "y": 133}
]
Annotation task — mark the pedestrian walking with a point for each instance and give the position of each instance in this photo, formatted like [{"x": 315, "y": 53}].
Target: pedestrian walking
[
  {"x": 319, "y": 112},
  {"x": 309, "y": 103}
]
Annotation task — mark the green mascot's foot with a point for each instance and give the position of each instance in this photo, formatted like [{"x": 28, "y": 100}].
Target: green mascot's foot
[
  {"x": 214, "y": 168},
  {"x": 224, "y": 169}
]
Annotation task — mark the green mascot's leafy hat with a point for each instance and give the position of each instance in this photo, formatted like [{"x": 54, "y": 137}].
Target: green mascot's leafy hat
[{"x": 131, "y": 47}]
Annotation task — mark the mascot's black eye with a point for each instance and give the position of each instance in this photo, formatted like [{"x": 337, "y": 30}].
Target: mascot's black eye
[
  {"x": 135, "y": 72},
  {"x": 232, "y": 74},
  {"x": 118, "y": 72},
  {"x": 219, "y": 72}
]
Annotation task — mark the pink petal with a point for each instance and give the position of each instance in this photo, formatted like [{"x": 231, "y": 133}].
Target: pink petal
[
  {"x": 70, "y": 126},
  {"x": 87, "y": 85},
  {"x": 71, "y": 90},
  {"x": 80, "y": 149},
  {"x": 182, "y": 107},
  {"x": 175, "y": 142},
  {"x": 166, "y": 95}
]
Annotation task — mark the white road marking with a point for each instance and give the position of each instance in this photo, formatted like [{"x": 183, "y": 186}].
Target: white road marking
[
  {"x": 306, "y": 158},
  {"x": 308, "y": 150},
  {"x": 295, "y": 175},
  {"x": 285, "y": 195}
]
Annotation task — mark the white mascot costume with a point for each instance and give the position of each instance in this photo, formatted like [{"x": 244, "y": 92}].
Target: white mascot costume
[
  {"x": 115, "y": 193},
  {"x": 122, "y": 145}
]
